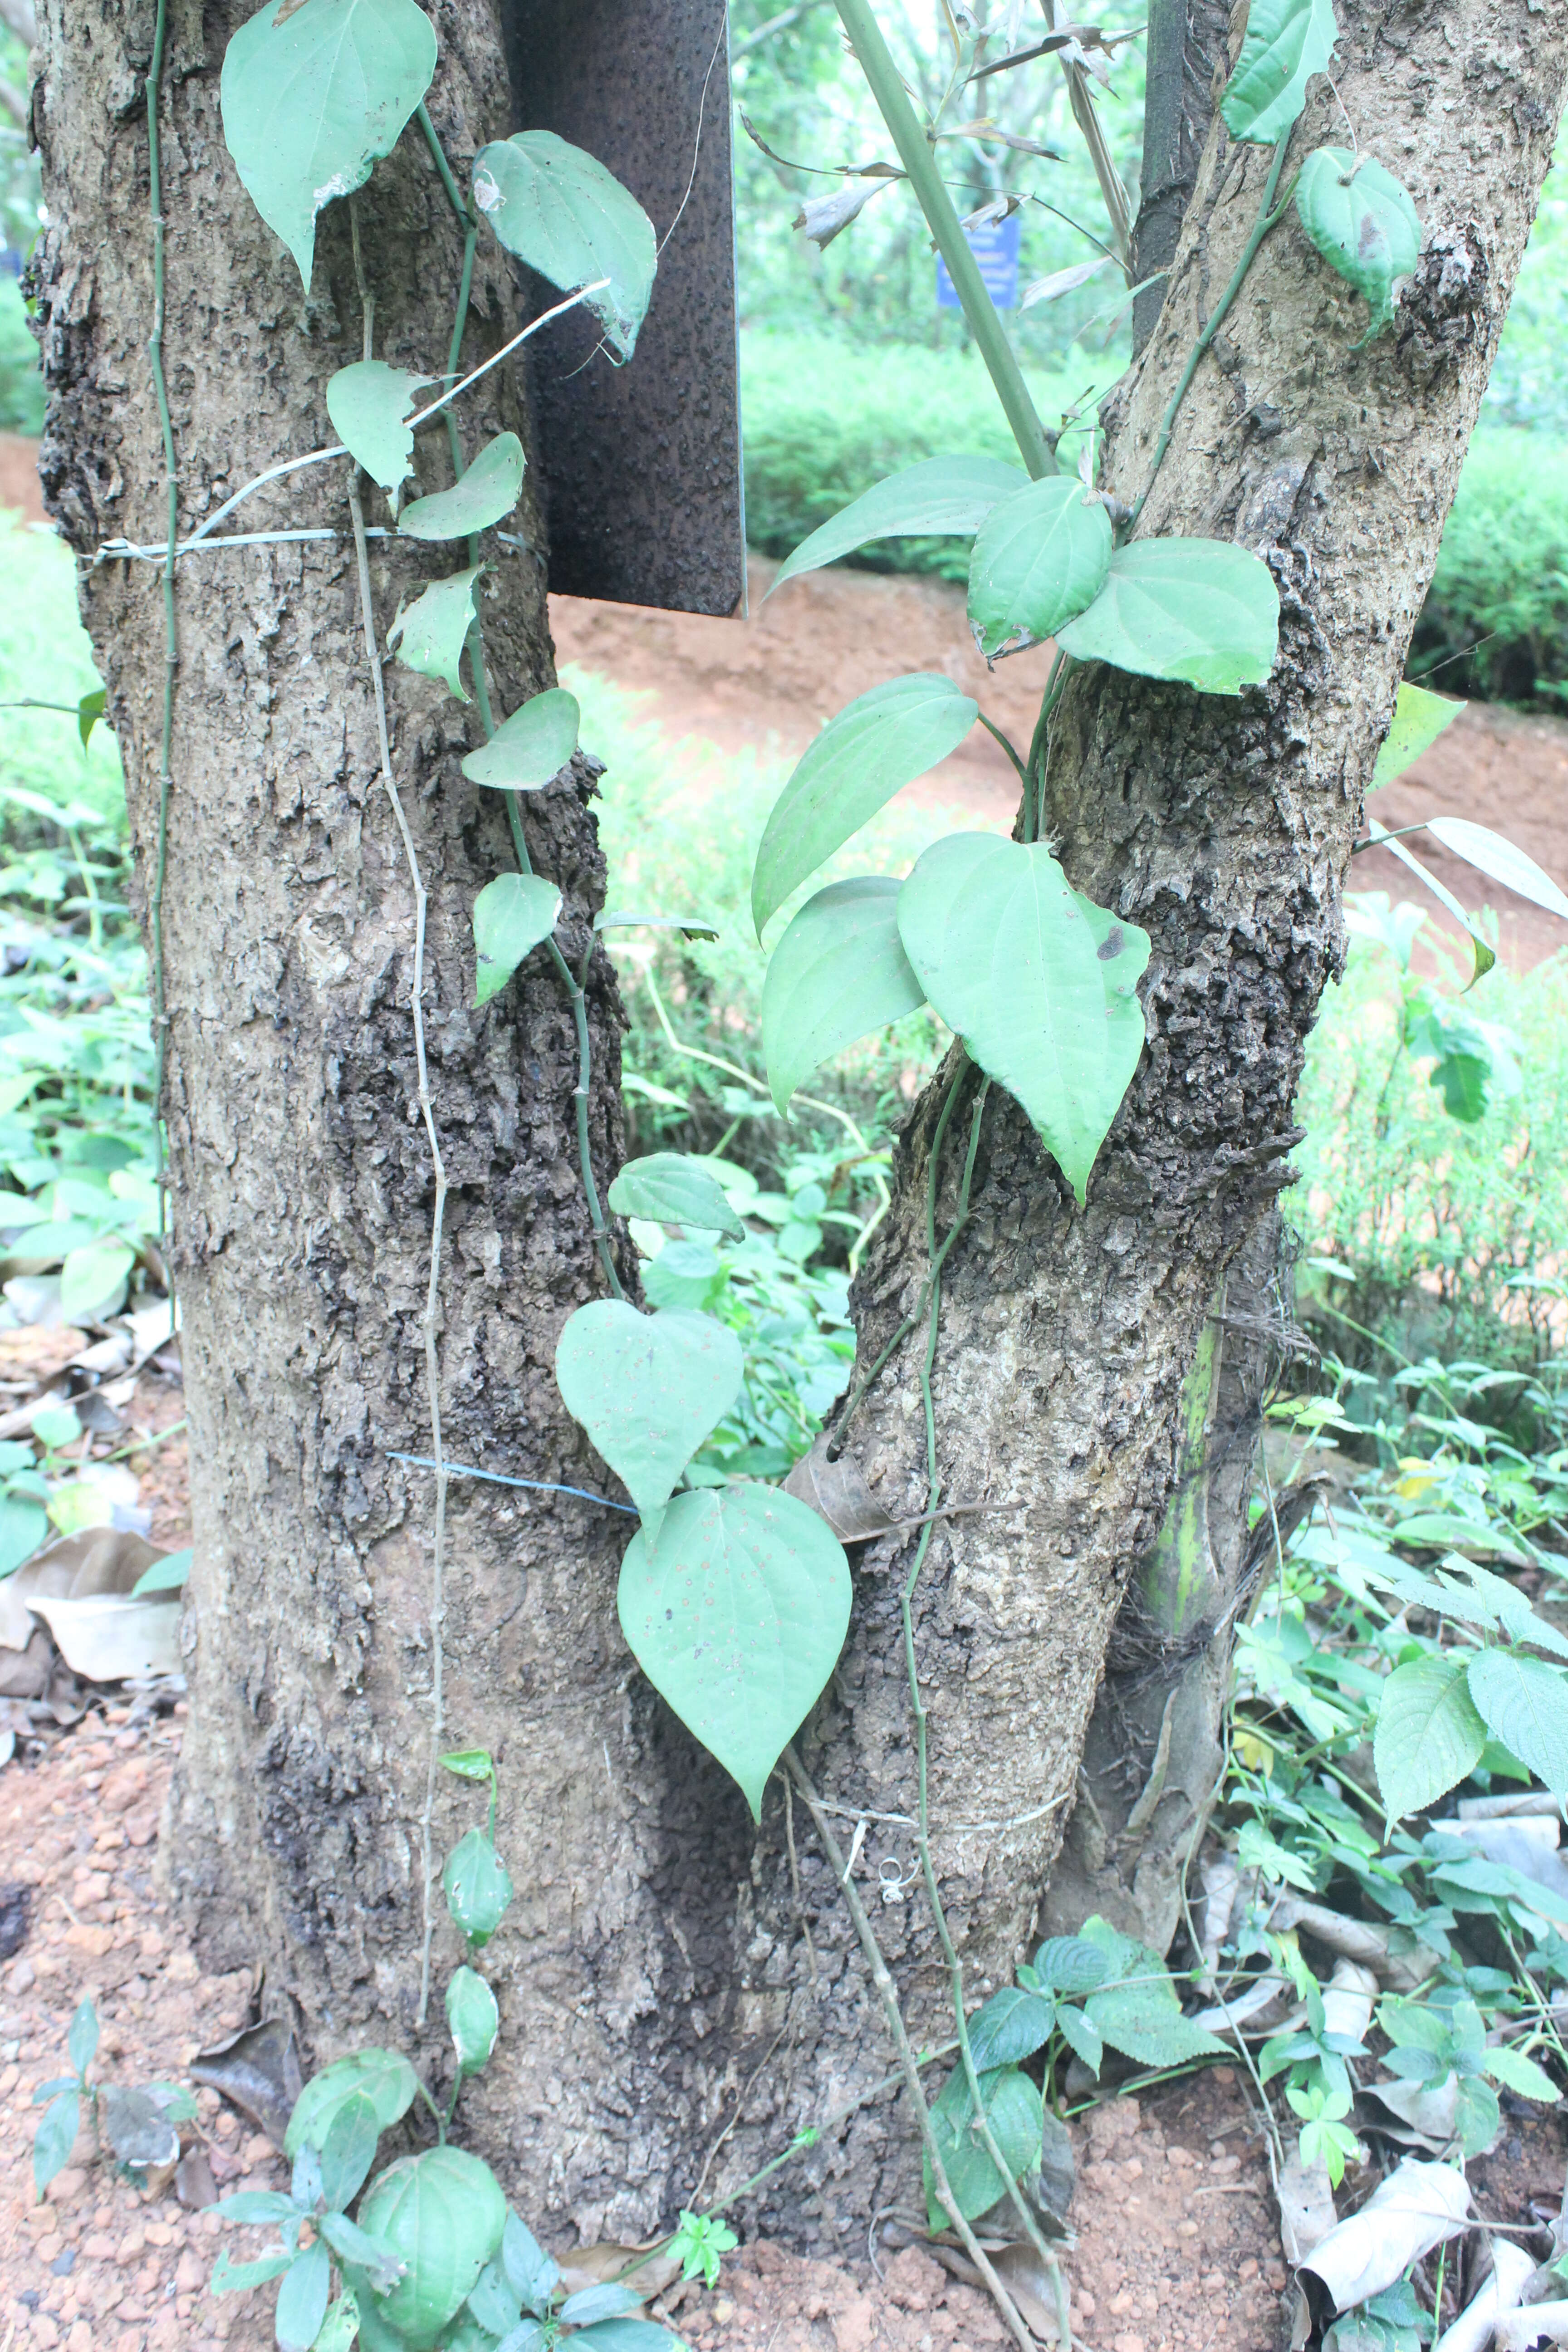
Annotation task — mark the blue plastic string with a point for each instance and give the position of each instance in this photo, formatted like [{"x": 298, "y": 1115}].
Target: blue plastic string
[{"x": 494, "y": 1478}]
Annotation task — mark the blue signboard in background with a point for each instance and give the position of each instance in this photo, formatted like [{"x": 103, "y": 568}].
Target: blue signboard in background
[{"x": 996, "y": 248}]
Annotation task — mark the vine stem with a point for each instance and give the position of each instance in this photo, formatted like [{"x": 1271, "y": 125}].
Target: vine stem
[
  {"x": 171, "y": 635},
  {"x": 1268, "y": 217},
  {"x": 430, "y": 1319},
  {"x": 887, "y": 88},
  {"x": 908, "y": 2065}
]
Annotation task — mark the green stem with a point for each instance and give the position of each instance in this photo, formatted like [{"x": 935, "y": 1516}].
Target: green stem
[
  {"x": 171, "y": 640},
  {"x": 448, "y": 178},
  {"x": 1266, "y": 220},
  {"x": 1039, "y": 743},
  {"x": 930, "y": 191}
]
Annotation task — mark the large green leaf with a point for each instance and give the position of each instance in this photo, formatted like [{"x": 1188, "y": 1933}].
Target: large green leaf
[
  {"x": 939, "y": 497},
  {"x": 557, "y": 208},
  {"x": 1363, "y": 222},
  {"x": 532, "y": 747},
  {"x": 1419, "y": 718},
  {"x": 487, "y": 490},
  {"x": 369, "y": 404},
  {"x": 443, "y": 2212},
  {"x": 870, "y": 752},
  {"x": 511, "y": 916},
  {"x": 1429, "y": 1733},
  {"x": 737, "y": 1616},
  {"x": 429, "y": 635},
  {"x": 1195, "y": 609},
  {"x": 1039, "y": 983},
  {"x": 838, "y": 972},
  {"x": 1287, "y": 42},
  {"x": 1011, "y": 2026},
  {"x": 309, "y": 104},
  {"x": 646, "y": 1388},
  {"x": 383, "y": 2076},
  {"x": 670, "y": 1188},
  {"x": 1041, "y": 556},
  {"x": 1013, "y": 2109},
  {"x": 1479, "y": 846},
  {"x": 1523, "y": 1702},
  {"x": 1142, "y": 2015}
]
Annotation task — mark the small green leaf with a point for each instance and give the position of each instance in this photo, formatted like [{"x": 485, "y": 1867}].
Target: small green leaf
[
  {"x": 737, "y": 1615},
  {"x": 311, "y": 104},
  {"x": 670, "y": 1188},
  {"x": 1013, "y": 2109},
  {"x": 494, "y": 2302},
  {"x": 88, "y": 712},
  {"x": 81, "y": 2043},
  {"x": 485, "y": 491},
  {"x": 558, "y": 209},
  {"x": 1478, "y": 2114},
  {"x": 512, "y": 915},
  {"x": 369, "y": 403},
  {"x": 1428, "y": 1734},
  {"x": 1286, "y": 43},
  {"x": 647, "y": 1389},
  {"x": 24, "y": 1523},
  {"x": 348, "y": 2151},
  {"x": 1038, "y": 982},
  {"x": 383, "y": 2076},
  {"x": 1082, "y": 2037},
  {"x": 1071, "y": 1964},
  {"x": 443, "y": 2212},
  {"x": 470, "y": 1763},
  {"x": 532, "y": 747},
  {"x": 1197, "y": 610},
  {"x": 253, "y": 2208},
  {"x": 938, "y": 497},
  {"x": 237, "y": 2278},
  {"x": 1012, "y": 2026},
  {"x": 474, "y": 2019},
  {"x": 1523, "y": 1702},
  {"x": 1516, "y": 2073},
  {"x": 381, "y": 2265},
  {"x": 477, "y": 1888},
  {"x": 1363, "y": 222},
  {"x": 429, "y": 635},
  {"x": 592, "y": 2303},
  {"x": 530, "y": 2272},
  {"x": 1479, "y": 846},
  {"x": 838, "y": 972},
  {"x": 1041, "y": 556},
  {"x": 1419, "y": 718},
  {"x": 166, "y": 1575},
  {"x": 302, "y": 2299},
  {"x": 55, "y": 2138},
  {"x": 92, "y": 1278},
  {"x": 882, "y": 742},
  {"x": 340, "y": 2325}
]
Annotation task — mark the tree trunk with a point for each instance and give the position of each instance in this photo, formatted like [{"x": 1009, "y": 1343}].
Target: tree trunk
[{"x": 663, "y": 1974}]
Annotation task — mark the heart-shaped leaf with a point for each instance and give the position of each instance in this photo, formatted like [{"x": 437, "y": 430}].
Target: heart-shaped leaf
[
  {"x": 1038, "y": 982},
  {"x": 383, "y": 2076},
  {"x": 838, "y": 972},
  {"x": 1042, "y": 555},
  {"x": 1419, "y": 718},
  {"x": 488, "y": 489},
  {"x": 511, "y": 916},
  {"x": 737, "y": 1616},
  {"x": 1363, "y": 222},
  {"x": 1523, "y": 1702},
  {"x": 647, "y": 1389},
  {"x": 672, "y": 1190},
  {"x": 443, "y": 2212},
  {"x": 369, "y": 403},
  {"x": 557, "y": 208},
  {"x": 474, "y": 2018},
  {"x": 310, "y": 103},
  {"x": 882, "y": 742},
  {"x": 1195, "y": 609},
  {"x": 938, "y": 497},
  {"x": 1429, "y": 1733},
  {"x": 1286, "y": 41},
  {"x": 532, "y": 747},
  {"x": 429, "y": 635}
]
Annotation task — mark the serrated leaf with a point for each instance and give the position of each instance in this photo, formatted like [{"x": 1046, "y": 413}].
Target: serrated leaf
[
  {"x": 838, "y": 972},
  {"x": 1142, "y": 2016},
  {"x": 646, "y": 1388},
  {"x": 1479, "y": 846},
  {"x": 1523, "y": 1702},
  {"x": 1071, "y": 1964},
  {"x": 512, "y": 916},
  {"x": 1014, "y": 2110},
  {"x": 1419, "y": 718},
  {"x": 671, "y": 1189},
  {"x": 737, "y": 1617},
  {"x": 882, "y": 742},
  {"x": 443, "y": 2212},
  {"x": 170, "y": 1574},
  {"x": 369, "y": 403},
  {"x": 383, "y": 2076},
  {"x": 55, "y": 2138},
  {"x": 1478, "y": 2114},
  {"x": 1363, "y": 222},
  {"x": 473, "y": 2018},
  {"x": 938, "y": 497},
  {"x": 1197, "y": 609},
  {"x": 1429, "y": 1733},
  {"x": 302, "y": 2300},
  {"x": 1042, "y": 555},
  {"x": 428, "y": 635},
  {"x": 1516, "y": 2073},
  {"x": 477, "y": 1888},
  {"x": 530, "y": 2271},
  {"x": 1287, "y": 42},
  {"x": 1012, "y": 2026},
  {"x": 481, "y": 495},
  {"x": 1082, "y": 2037},
  {"x": 1039, "y": 983},
  {"x": 494, "y": 2302},
  {"x": 559, "y": 210},
  {"x": 532, "y": 747},
  {"x": 310, "y": 105}
]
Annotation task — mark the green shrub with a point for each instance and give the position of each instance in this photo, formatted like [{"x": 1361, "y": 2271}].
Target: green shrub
[{"x": 1495, "y": 620}]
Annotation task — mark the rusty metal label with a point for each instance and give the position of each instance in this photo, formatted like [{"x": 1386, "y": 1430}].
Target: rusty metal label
[{"x": 641, "y": 464}]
